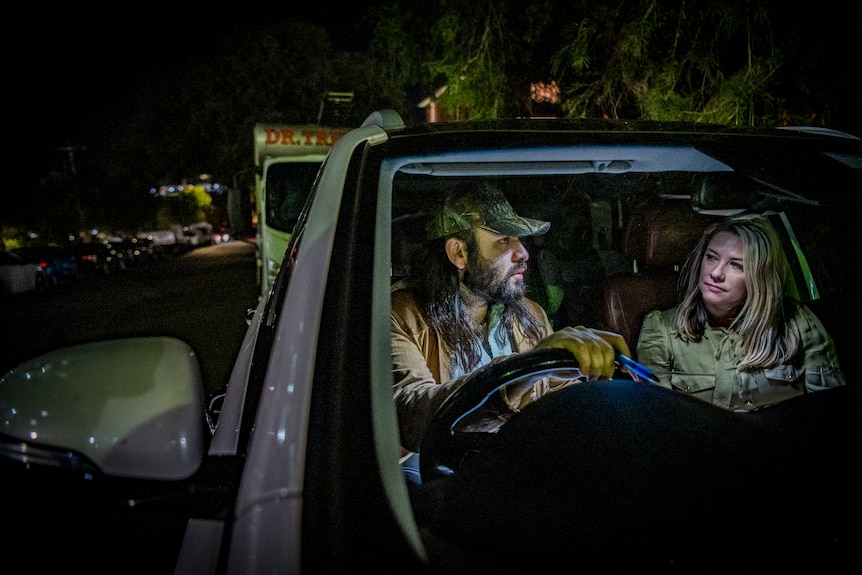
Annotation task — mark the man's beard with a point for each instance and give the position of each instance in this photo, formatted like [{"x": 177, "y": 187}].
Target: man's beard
[{"x": 481, "y": 277}]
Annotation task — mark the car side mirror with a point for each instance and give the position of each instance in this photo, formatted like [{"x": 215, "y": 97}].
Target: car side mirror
[{"x": 126, "y": 407}]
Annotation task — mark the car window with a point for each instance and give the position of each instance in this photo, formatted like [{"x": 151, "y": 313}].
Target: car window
[{"x": 592, "y": 211}]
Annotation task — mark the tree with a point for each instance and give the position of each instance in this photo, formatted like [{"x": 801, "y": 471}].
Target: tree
[
  {"x": 478, "y": 50},
  {"x": 690, "y": 60},
  {"x": 720, "y": 61}
]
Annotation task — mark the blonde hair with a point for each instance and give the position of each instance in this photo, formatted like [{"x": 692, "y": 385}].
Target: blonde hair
[{"x": 766, "y": 337}]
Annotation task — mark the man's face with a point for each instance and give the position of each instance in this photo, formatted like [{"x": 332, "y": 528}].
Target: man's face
[{"x": 495, "y": 267}]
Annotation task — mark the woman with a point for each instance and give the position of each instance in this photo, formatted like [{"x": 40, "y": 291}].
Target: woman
[{"x": 735, "y": 339}]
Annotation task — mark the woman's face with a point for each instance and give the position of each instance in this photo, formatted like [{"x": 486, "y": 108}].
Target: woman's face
[{"x": 722, "y": 277}]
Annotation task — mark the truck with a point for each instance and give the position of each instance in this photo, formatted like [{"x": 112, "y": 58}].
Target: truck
[{"x": 287, "y": 159}]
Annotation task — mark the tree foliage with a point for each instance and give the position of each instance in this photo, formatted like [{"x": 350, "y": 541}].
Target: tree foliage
[
  {"x": 743, "y": 62},
  {"x": 721, "y": 61},
  {"x": 689, "y": 59}
]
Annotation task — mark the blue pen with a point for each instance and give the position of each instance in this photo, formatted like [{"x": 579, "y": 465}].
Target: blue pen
[{"x": 638, "y": 371}]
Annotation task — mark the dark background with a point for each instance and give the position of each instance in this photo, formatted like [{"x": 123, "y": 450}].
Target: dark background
[{"x": 71, "y": 72}]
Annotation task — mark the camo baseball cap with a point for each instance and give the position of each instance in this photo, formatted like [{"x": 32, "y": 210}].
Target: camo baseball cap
[{"x": 484, "y": 207}]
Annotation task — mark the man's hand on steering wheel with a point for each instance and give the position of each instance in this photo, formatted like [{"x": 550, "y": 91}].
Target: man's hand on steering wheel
[
  {"x": 594, "y": 351},
  {"x": 593, "y": 348}
]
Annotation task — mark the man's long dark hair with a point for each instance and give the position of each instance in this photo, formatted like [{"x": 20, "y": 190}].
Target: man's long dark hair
[{"x": 434, "y": 282}]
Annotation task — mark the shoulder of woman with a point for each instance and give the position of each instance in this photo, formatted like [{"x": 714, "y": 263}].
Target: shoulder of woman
[
  {"x": 796, "y": 310},
  {"x": 658, "y": 320},
  {"x": 799, "y": 313},
  {"x": 661, "y": 315}
]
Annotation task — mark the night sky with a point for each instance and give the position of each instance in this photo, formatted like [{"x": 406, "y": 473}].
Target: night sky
[{"x": 71, "y": 72}]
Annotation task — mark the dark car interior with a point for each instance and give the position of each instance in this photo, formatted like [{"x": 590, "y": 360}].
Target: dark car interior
[{"x": 632, "y": 476}]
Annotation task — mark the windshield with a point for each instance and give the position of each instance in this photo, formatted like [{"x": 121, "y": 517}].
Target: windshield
[{"x": 593, "y": 211}]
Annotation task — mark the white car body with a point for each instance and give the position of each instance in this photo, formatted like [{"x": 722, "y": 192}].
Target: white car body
[{"x": 16, "y": 275}]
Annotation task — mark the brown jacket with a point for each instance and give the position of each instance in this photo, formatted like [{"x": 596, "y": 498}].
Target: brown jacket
[{"x": 421, "y": 371}]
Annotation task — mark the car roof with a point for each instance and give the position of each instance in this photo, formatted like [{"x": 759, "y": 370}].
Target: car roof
[
  {"x": 605, "y": 126},
  {"x": 798, "y": 162}
]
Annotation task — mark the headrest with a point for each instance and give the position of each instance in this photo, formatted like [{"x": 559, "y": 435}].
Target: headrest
[{"x": 663, "y": 235}]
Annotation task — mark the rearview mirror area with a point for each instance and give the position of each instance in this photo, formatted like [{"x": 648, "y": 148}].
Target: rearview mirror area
[
  {"x": 729, "y": 194},
  {"x": 129, "y": 407}
]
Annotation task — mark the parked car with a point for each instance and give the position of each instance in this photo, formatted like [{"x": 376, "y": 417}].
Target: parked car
[
  {"x": 129, "y": 252},
  {"x": 142, "y": 250},
  {"x": 56, "y": 264},
  {"x": 16, "y": 274},
  {"x": 110, "y": 454},
  {"x": 163, "y": 243},
  {"x": 222, "y": 235},
  {"x": 135, "y": 250},
  {"x": 202, "y": 234},
  {"x": 98, "y": 258}
]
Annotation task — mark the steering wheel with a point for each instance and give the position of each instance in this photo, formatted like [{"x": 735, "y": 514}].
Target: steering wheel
[{"x": 443, "y": 446}]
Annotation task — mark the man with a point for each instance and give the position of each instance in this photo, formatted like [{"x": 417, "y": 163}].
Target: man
[{"x": 464, "y": 306}]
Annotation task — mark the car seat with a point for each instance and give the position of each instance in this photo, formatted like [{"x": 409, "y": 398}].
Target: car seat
[
  {"x": 569, "y": 263},
  {"x": 657, "y": 240}
]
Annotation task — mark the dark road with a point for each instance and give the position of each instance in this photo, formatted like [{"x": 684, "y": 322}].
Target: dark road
[{"x": 200, "y": 297}]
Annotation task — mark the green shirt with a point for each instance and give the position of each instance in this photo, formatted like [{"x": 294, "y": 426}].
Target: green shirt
[{"x": 707, "y": 369}]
